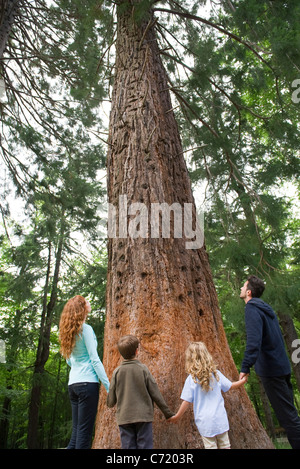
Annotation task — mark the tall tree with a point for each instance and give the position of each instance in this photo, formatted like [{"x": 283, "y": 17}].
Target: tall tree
[
  {"x": 50, "y": 143},
  {"x": 70, "y": 211},
  {"x": 157, "y": 289},
  {"x": 51, "y": 55}
]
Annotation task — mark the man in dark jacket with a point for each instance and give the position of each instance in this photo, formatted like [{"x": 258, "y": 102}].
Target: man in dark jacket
[{"x": 266, "y": 351}]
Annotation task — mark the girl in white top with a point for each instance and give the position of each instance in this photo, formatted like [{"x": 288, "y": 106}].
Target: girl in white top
[{"x": 203, "y": 389}]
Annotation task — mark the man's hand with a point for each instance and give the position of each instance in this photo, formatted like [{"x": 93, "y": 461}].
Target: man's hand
[{"x": 244, "y": 375}]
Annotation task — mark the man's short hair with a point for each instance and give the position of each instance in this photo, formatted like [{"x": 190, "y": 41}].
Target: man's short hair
[
  {"x": 256, "y": 286},
  {"x": 127, "y": 346}
]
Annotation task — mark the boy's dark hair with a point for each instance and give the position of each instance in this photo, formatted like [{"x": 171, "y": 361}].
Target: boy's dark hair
[
  {"x": 256, "y": 286},
  {"x": 127, "y": 346}
]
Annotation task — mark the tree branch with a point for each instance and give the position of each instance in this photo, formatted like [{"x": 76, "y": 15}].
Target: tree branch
[{"x": 215, "y": 26}]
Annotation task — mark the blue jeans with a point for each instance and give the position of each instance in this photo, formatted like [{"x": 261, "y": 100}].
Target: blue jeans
[
  {"x": 280, "y": 393},
  {"x": 84, "y": 402}
]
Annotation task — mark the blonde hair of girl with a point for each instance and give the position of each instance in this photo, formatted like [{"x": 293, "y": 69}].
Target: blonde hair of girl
[{"x": 200, "y": 365}]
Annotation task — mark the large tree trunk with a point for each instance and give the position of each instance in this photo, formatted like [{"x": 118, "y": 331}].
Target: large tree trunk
[
  {"x": 157, "y": 289},
  {"x": 8, "y": 12}
]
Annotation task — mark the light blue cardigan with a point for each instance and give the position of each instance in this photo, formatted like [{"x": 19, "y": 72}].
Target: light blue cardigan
[{"x": 84, "y": 361}]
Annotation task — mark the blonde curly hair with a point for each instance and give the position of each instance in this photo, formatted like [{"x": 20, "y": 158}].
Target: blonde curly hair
[
  {"x": 200, "y": 365},
  {"x": 72, "y": 318}
]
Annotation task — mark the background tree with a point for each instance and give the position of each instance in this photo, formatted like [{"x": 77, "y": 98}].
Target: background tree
[
  {"x": 27, "y": 376},
  {"x": 52, "y": 151}
]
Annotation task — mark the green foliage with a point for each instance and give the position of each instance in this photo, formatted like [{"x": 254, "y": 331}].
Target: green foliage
[{"x": 19, "y": 328}]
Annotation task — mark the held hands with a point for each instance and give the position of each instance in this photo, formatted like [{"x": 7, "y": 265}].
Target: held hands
[
  {"x": 184, "y": 406},
  {"x": 243, "y": 380},
  {"x": 244, "y": 376},
  {"x": 173, "y": 419}
]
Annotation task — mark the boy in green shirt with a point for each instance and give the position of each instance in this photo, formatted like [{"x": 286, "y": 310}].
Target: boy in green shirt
[{"x": 134, "y": 390}]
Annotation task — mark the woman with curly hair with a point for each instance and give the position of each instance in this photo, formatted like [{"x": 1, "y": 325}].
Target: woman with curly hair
[
  {"x": 78, "y": 345},
  {"x": 203, "y": 388}
]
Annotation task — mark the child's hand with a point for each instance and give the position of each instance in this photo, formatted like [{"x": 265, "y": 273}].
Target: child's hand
[
  {"x": 172, "y": 419},
  {"x": 237, "y": 384},
  {"x": 244, "y": 375},
  {"x": 181, "y": 411}
]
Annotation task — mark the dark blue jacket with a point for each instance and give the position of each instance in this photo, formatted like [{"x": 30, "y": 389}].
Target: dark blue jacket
[{"x": 265, "y": 346}]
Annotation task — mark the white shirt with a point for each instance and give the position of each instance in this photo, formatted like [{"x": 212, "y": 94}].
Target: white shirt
[{"x": 209, "y": 410}]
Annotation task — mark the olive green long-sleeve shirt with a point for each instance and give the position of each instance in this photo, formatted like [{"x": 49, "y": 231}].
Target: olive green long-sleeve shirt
[{"x": 134, "y": 390}]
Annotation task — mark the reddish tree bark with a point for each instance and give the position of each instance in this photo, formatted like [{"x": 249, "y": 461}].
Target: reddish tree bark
[{"x": 157, "y": 289}]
